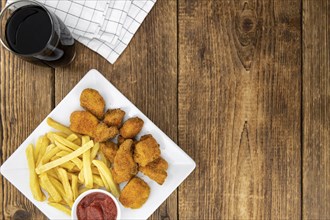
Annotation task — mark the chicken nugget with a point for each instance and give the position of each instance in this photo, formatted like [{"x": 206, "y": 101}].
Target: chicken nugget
[
  {"x": 131, "y": 127},
  {"x": 145, "y": 137},
  {"x": 135, "y": 193},
  {"x": 156, "y": 170},
  {"x": 92, "y": 101},
  {"x": 103, "y": 133},
  {"x": 124, "y": 167},
  {"x": 146, "y": 150},
  {"x": 114, "y": 117},
  {"x": 109, "y": 149},
  {"x": 83, "y": 122}
]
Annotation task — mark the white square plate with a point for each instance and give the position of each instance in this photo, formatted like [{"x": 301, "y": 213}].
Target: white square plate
[{"x": 15, "y": 169}]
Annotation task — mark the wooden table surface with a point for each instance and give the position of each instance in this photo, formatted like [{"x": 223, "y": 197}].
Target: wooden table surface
[{"x": 242, "y": 86}]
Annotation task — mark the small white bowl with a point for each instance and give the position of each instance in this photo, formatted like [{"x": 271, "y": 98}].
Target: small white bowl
[{"x": 81, "y": 196}]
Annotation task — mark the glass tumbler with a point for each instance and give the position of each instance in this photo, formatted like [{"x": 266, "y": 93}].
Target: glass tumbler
[{"x": 32, "y": 32}]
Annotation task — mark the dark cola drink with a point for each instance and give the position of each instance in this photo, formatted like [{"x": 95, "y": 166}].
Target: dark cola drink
[{"x": 37, "y": 35}]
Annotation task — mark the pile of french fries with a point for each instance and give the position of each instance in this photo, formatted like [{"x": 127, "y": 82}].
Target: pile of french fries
[{"x": 65, "y": 164}]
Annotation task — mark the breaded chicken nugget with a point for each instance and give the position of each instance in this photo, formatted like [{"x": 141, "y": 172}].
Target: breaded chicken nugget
[
  {"x": 103, "y": 133},
  {"x": 135, "y": 193},
  {"x": 83, "y": 122},
  {"x": 124, "y": 167},
  {"x": 92, "y": 101},
  {"x": 131, "y": 127},
  {"x": 145, "y": 137},
  {"x": 156, "y": 170},
  {"x": 109, "y": 149},
  {"x": 114, "y": 117},
  {"x": 146, "y": 150}
]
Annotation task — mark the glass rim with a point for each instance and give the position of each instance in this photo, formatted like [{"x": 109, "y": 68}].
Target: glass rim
[{"x": 51, "y": 21}]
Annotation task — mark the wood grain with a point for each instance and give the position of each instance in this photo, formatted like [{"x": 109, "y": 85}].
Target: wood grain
[
  {"x": 316, "y": 114},
  {"x": 239, "y": 108},
  {"x": 146, "y": 73},
  {"x": 226, "y": 81},
  {"x": 26, "y": 98}
]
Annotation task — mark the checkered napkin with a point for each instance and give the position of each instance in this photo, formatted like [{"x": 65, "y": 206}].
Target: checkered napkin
[{"x": 105, "y": 26}]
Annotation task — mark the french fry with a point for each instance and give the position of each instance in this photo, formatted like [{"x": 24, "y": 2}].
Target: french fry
[
  {"x": 76, "y": 160},
  {"x": 103, "y": 159},
  {"x": 42, "y": 150},
  {"x": 49, "y": 187},
  {"x": 98, "y": 180},
  {"x": 95, "y": 150},
  {"x": 49, "y": 147},
  {"x": 59, "y": 187},
  {"x": 68, "y": 165},
  {"x": 42, "y": 142},
  {"x": 85, "y": 139},
  {"x": 107, "y": 178},
  {"x": 65, "y": 182},
  {"x": 65, "y": 142},
  {"x": 64, "y": 159},
  {"x": 72, "y": 137},
  {"x": 50, "y": 137},
  {"x": 75, "y": 169},
  {"x": 52, "y": 152},
  {"x": 52, "y": 174},
  {"x": 55, "y": 158},
  {"x": 61, "y": 207},
  {"x": 88, "y": 178},
  {"x": 62, "y": 202},
  {"x": 58, "y": 126},
  {"x": 62, "y": 153},
  {"x": 81, "y": 177},
  {"x": 51, "y": 133},
  {"x": 77, "y": 141},
  {"x": 62, "y": 134},
  {"x": 74, "y": 186},
  {"x": 34, "y": 181},
  {"x": 62, "y": 147}
]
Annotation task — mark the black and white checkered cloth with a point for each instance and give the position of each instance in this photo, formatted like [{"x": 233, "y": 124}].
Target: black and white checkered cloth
[{"x": 105, "y": 26}]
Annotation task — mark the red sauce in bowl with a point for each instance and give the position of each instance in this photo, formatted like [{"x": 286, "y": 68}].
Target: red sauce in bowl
[{"x": 97, "y": 206}]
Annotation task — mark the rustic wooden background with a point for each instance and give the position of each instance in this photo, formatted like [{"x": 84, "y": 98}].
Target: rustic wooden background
[{"x": 242, "y": 86}]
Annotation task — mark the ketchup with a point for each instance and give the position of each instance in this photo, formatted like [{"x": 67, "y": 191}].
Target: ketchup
[{"x": 97, "y": 206}]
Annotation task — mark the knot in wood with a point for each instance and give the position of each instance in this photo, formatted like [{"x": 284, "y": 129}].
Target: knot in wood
[
  {"x": 22, "y": 215},
  {"x": 165, "y": 217},
  {"x": 246, "y": 29},
  {"x": 247, "y": 25}
]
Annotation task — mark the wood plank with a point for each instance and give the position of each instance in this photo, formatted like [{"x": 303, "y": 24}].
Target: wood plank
[
  {"x": 239, "y": 108},
  {"x": 146, "y": 74},
  {"x": 26, "y": 99},
  {"x": 316, "y": 109}
]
